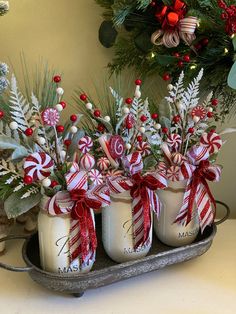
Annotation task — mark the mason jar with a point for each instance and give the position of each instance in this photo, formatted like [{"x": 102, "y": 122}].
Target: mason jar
[
  {"x": 54, "y": 233},
  {"x": 168, "y": 232},
  {"x": 117, "y": 230}
]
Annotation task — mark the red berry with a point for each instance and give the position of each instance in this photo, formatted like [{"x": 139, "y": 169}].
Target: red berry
[
  {"x": 176, "y": 54},
  {"x": 152, "y": 4},
  {"x": 176, "y": 119},
  {"x": 154, "y": 116},
  {"x": 198, "y": 46},
  {"x": 180, "y": 64},
  {"x": 143, "y": 118},
  {"x": 186, "y": 58},
  {"x": 165, "y": 130},
  {"x": 60, "y": 128},
  {"x": 191, "y": 130},
  {"x": 63, "y": 104},
  {"x": 166, "y": 77},
  {"x": 28, "y": 179},
  {"x": 83, "y": 97},
  {"x": 29, "y": 132},
  {"x": 57, "y": 79},
  {"x": 212, "y": 130},
  {"x": 67, "y": 143},
  {"x": 205, "y": 42},
  {"x": 129, "y": 125},
  {"x": 210, "y": 114},
  {"x": 97, "y": 113},
  {"x": 1, "y": 114},
  {"x": 54, "y": 183},
  {"x": 100, "y": 128},
  {"x": 73, "y": 117},
  {"x": 128, "y": 101},
  {"x": 214, "y": 102},
  {"x": 139, "y": 138},
  {"x": 224, "y": 16},
  {"x": 138, "y": 81}
]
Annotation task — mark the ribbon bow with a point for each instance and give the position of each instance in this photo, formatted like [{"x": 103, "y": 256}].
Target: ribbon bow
[
  {"x": 79, "y": 201},
  {"x": 197, "y": 189},
  {"x": 144, "y": 199},
  {"x": 174, "y": 26}
]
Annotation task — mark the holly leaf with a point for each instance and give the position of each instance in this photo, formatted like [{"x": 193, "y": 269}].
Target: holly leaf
[{"x": 165, "y": 59}]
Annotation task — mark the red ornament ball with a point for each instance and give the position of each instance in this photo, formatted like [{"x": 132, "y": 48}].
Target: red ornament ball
[
  {"x": 143, "y": 118},
  {"x": 27, "y": 180},
  {"x": 63, "y": 104},
  {"x": 100, "y": 128},
  {"x": 139, "y": 138},
  {"x": 198, "y": 46},
  {"x": 154, "y": 116},
  {"x": 180, "y": 64},
  {"x": 97, "y": 113},
  {"x": 166, "y": 77},
  {"x": 57, "y": 79},
  {"x": 186, "y": 58},
  {"x": 83, "y": 97},
  {"x": 138, "y": 81},
  {"x": 210, "y": 114},
  {"x": 1, "y": 114},
  {"x": 29, "y": 132},
  {"x": 73, "y": 117},
  {"x": 54, "y": 183},
  {"x": 129, "y": 125},
  {"x": 60, "y": 128},
  {"x": 191, "y": 130},
  {"x": 165, "y": 130},
  {"x": 176, "y": 119},
  {"x": 205, "y": 42},
  {"x": 214, "y": 102},
  {"x": 176, "y": 54},
  {"x": 128, "y": 101},
  {"x": 67, "y": 143},
  {"x": 152, "y": 4}
]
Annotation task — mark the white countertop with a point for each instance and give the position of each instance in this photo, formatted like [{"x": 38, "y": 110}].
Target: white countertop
[{"x": 203, "y": 285}]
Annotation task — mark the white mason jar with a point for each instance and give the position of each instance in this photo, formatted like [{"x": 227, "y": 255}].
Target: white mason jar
[
  {"x": 53, "y": 234},
  {"x": 117, "y": 231},
  {"x": 168, "y": 232}
]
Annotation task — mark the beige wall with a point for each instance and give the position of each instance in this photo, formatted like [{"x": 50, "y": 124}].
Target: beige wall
[{"x": 64, "y": 32}]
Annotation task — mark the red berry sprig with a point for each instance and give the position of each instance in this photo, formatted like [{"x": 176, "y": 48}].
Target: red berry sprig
[
  {"x": 57, "y": 78},
  {"x": 67, "y": 143},
  {"x": 166, "y": 77},
  {"x": 191, "y": 130},
  {"x": 73, "y": 117},
  {"x": 63, "y": 104},
  {"x": 1, "y": 114},
  {"x": 143, "y": 118},
  {"x": 83, "y": 97},
  {"x": 29, "y": 132},
  {"x": 154, "y": 116},
  {"x": 165, "y": 130},
  {"x": 60, "y": 128},
  {"x": 97, "y": 113},
  {"x": 138, "y": 82},
  {"x": 27, "y": 180},
  {"x": 128, "y": 101}
]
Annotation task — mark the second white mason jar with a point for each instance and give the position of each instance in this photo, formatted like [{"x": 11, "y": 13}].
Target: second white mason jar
[
  {"x": 117, "y": 230},
  {"x": 168, "y": 232},
  {"x": 53, "y": 232}
]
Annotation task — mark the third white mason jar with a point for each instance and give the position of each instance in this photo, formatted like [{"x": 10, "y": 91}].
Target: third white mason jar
[
  {"x": 53, "y": 234},
  {"x": 117, "y": 230},
  {"x": 168, "y": 232}
]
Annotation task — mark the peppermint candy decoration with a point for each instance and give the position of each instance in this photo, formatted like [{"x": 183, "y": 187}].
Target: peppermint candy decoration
[
  {"x": 85, "y": 144},
  {"x": 130, "y": 119},
  {"x": 38, "y": 166},
  {"x": 212, "y": 141},
  {"x": 174, "y": 141},
  {"x": 114, "y": 172},
  {"x": 103, "y": 163},
  {"x": 199, "y": 111},
  {"x": 173, "y": 173},
  {"x": 95, "y": 176},
  {"x": 50, "y": 116},
  {"x": 116, "y": 146},
  {"x": 177, "y": 158},
  {"x": 87, "y": 162},
  {"x": 197, "y": 154},
  {"x": 144, "y": 149}
]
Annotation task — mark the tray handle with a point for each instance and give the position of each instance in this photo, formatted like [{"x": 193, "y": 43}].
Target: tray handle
[
  {"x": 227, "y": 213},
  {"x": 15, "y": 268}
]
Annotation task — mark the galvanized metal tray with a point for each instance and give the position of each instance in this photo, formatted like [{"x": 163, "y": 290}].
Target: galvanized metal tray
[{"x": 105, "y": 271}]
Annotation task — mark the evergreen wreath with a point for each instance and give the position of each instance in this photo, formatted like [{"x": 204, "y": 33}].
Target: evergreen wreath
[{"x": 169, "y": 36}]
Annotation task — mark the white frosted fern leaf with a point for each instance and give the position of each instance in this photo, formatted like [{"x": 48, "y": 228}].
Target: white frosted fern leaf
[
  {"x": 30, "y": 191},
  {"x": 118, "y": 101}
]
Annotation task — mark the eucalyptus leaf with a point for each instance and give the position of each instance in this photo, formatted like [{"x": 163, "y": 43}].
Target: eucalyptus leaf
[
  {"x": 165, "y": 122},
  {"x": 106, "y": 124},
  {"x": 74, "y": 143},
  {"x": 15, "y": 206},
  {"x": 232, "y": 77},
  {"x": 9, "y": 143},
  {"x": 19, "y": 153}
]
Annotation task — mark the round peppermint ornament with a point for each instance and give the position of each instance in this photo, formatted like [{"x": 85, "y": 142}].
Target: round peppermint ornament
[
  {"x": 199, "y": 111},
  {"x": 212, "y": 141},
  {"x": 174, "y": 141},
  {"x": 50, "y": 116},
  {"x": 38, "y": 166},
  {"x": 144, "y": 149},
  {"x": 85, "y": 144},
  {"x": 95, "y": 176},
  {"x": 87, "y": 162},
  {"x": 103, "y": 163}
]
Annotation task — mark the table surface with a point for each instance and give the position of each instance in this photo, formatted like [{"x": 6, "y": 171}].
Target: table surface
[{"x": 206, "y": 284}]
